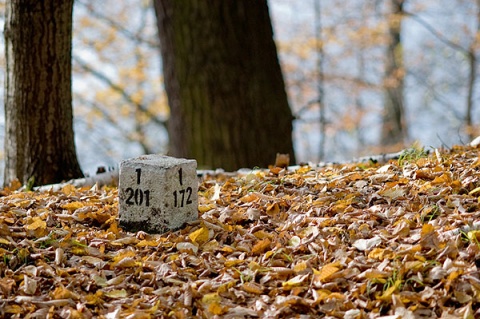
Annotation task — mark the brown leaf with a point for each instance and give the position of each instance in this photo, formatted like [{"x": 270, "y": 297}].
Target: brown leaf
[{"x": 261, "y": 246}]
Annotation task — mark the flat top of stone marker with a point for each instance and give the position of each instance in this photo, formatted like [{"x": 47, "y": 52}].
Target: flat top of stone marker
[{"x": 157, "y": 160}]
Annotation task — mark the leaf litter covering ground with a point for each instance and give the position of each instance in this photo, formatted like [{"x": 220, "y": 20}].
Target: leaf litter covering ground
[{"x": 354, "y": 241}]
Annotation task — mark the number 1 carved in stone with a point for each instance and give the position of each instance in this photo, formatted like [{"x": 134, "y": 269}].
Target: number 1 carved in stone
[{"x": 139, "y": 172}]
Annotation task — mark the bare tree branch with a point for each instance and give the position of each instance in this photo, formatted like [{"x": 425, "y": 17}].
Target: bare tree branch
[
  {"x": 117, "y": 88},
  {"x": 119, "y": 27},
  {"x": 436, "y": 34},
  {"x": 113, "y": 121}
]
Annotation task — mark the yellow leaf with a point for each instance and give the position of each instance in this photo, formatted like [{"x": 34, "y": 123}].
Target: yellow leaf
[
  {"x": 228, "y": 228},
  {"x": 117, "y": 293},
  {"x": 205, "y": 208},
  {"x": 228, "y": 249},
  {"x": 128, "y": 262},
  {"x": 377, "y": 253},
  {"x": 14, "y": 185},
  {"x": 73, "y": 205},
  {"x": 414, "y": 265},
  {"x": 473, "y": 191},
  {"x": 209, "y": 298},
  {"x": 322, "y": 294},
  {"x": 4, "y": 241},
  {"x": 15, "y": 309},
  {"x": 226, "y": 287},
  {"x": 64, "y": 293},
  {"x": 216, "y": 309},
  {"x": 23, "y": 204},
  {"x": 473, "y": 235},
  {"x": 294, "y": 282},
  {"x": 200, "y": 236},
  {"x": 444, "y": 178},
  {"x": 123, "y": 254},
  {"x": 252, "y": 288},
  {"x": 261, "y": 234},
  {"x": 427, "y": 229},
  {"x": 273, "y": 209},
  {"x": 377, "y": 274},
  {"x": 268, "y": 254},
  {"x": 261, "y": 246},
  {"x": 454, "y": 275},
  {"x": 77, "y": 250},
  {"x": 211, "y": 245},
  {"x": 68, "y": 189},
  {"x": 254, "y": 265},
  {"x": 300, "y": 267},
  {"x": 249, "y": 198},
  {"x": 38, "y": 223},
  {"x": 173, "y": 257},
  {"x": 95, "y": 299},
  {"x": 327, "y": 271},
  {"x": 114, "y": 228},
  {"x": 145, "y": 243},
  {"x": 387, "y": 294},
  {"x": 303, "y": 169}
]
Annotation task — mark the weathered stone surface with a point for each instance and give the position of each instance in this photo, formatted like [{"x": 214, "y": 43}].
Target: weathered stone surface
[{"x": 157, "y": 193}]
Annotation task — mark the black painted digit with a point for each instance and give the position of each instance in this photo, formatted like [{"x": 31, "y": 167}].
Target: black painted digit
[
  {"x": 147, "y": 198},
  {"x": 189, "y": 191},
  {"x": 175, "y": 199},
  {"x": 183, "y": 197},
  {"x": 130, "y": 193},
  {"x": 180, "y": 176},
  {"x": 139, "y": 172},
  {"x": 138, "y": 197}
]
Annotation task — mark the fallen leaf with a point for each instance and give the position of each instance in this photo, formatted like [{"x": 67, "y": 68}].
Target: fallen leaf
[
  {"x": 200, "y": 236},
  {"x": 261, "y": 246},
  {"x": 367, "y": 244},
  {"x": 294, "y": 282}
]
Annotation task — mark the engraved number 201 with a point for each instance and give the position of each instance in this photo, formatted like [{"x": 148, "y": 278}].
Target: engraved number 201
[{"x": 135, "y": 197}]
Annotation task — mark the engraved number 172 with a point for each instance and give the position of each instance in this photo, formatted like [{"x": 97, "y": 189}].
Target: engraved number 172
[{"x": 182, "y": 197}]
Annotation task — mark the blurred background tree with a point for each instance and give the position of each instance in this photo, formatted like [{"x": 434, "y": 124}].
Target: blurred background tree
[
  {"x": 228, "y": 105},
  {"x": 394, "y": 128},
  {"x": 121, "y": 108},
  {"x": 39, "y": 142}
]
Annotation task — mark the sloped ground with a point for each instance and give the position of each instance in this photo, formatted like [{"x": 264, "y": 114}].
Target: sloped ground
[{"x": 356, "y": 241}]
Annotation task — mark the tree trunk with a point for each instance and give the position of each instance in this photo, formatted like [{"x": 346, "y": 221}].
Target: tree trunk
[
  {"x": 472, "y": 78},
  {"x": 39, "y": 140},
  {"x": 229, "y": 108},
  {"x": 393, "y": 124}
]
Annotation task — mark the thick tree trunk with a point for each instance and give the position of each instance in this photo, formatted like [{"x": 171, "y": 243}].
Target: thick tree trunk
[
  {"x": 226, "y": 92},
  {"x": 472, "y": 79},
  {"x": 39, "y": 140},
  {"x": 393, "y": 124}
]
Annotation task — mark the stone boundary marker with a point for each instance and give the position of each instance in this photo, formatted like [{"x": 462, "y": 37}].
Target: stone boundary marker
[{"x": 157, "y": 193}]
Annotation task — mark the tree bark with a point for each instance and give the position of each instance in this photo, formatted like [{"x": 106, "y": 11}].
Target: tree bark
[
  {"x": 472, "y": 79},
  {"x": 226, "y": 92},
  {"x": 393, "y": 123},
  {"x": 39, "y": 141}
]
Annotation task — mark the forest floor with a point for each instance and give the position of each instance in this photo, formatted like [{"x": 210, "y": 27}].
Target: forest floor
[{"x": 395, "y": 240}]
